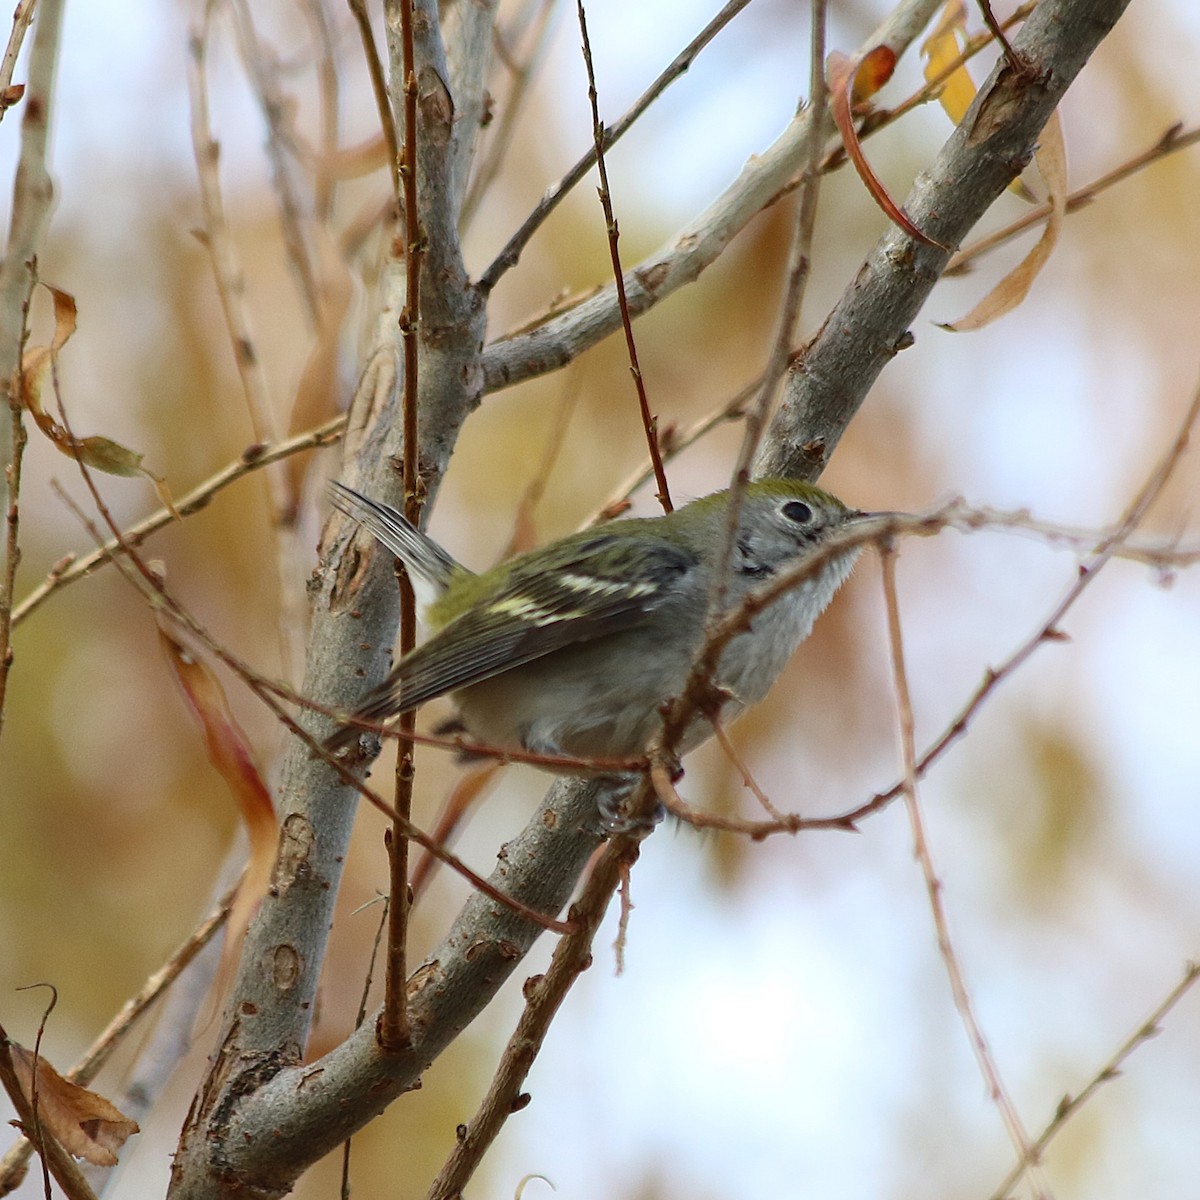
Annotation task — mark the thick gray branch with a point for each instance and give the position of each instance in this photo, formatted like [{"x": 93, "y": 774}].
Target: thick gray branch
[
  {"x": 763, "y": 179},
  {"x": 265, "y": 1117},
  {"x": 304, "y": 1112},
  {"x": 992, "y": 144},
  {"x": 354, "y": 603}
]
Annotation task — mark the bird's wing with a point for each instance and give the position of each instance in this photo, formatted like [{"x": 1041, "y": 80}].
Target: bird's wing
[{"x": 588, "y": 587}]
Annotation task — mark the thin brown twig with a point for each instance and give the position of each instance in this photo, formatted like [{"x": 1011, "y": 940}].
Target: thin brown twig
[
  {"x": 510, "y": 255},
  {"x": 217, "y": 240},
  {"x": 230, "y": 284},
  {"x": 394, "y": 1033},
  {"x": 544, "y": 995},
  {"x": 649, "y": 420},
  {"x": 12, "y": 544},
  {"x": 35, "y": 1083},
  {"x": 379, "y": 89},
  {"x": 32, "y": 200},
  {"x": 933, "y": 887},
  {"x": 1172, "y": 141},
  {"x": 835, "y": 159},
  {"x": 932, "y": 87},
  {"x": 359, "y": 1018},
  {"x": 252, "y": 459},
  {"x": 994, "y": 28},
  {"x": 495, "y": 155},
  {"x": 740, "y": 766},
  {"x": 263, "y": 77},
  {"x": 673, "y": 443},
  {"x": 328, "y": 87},
  {"x": 1107, "y": 548},
  {"x": 795, "y": 284},
  {"x": 1068, "y": 1106},
  {"x": 265, "y": 690},
  {"x": 799, "y": 266},
  {"x": 12, "y": 1165},
  {"x": 953, "y": 515}
]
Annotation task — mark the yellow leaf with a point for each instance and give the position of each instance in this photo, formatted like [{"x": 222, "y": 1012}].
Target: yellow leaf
[{"x": 943, "y": 46}]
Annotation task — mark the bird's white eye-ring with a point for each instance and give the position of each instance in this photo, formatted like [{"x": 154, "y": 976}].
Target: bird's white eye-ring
[{"x": 798, "y": 511}]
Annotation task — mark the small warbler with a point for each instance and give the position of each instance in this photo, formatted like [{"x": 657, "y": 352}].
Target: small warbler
[{"x": 571, "y": 650}]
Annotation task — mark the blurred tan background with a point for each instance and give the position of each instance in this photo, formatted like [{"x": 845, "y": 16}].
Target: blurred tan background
[{"x": 784, "y": 1025}]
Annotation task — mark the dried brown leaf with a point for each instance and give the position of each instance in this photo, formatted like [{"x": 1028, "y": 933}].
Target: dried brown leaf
[
  {"x": 100, "y": 453},
  {"x": 229, "y": 751},
  {"x": 842, "y": 73},
  {"x": 82, "y": 1121},
  {"x": 875, "y": 69},
  {"x": 1051, "y": 159}
]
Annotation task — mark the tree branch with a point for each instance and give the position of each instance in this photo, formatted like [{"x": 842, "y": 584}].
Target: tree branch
[
  {"x": 989, "y": 148},
  {"x": 762, "y": 181}
]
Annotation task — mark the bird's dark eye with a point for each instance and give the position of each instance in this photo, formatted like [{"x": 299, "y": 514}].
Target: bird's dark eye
[{"x": 798, "y": 511}]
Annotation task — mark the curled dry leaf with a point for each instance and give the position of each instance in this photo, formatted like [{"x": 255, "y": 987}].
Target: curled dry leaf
[
  {"x": 943, "y": 60},
  {"x": 229, "y": 751},
  {"x": 101, "y": 453},
  {"x": 852, "y": 80},
  {"x": 81, "y": 1121},
  {"x": 1051, "y": 159}
]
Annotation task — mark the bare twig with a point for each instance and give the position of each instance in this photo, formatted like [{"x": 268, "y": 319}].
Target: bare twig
[
  {"x": 500, "y": 138},
  {"x": 360, "y": 1017},
  {"x": 994, "y": 28},
  {"x": 217, "y": 240},
  {"x": 554, "y": 342},
  {"x": 329, "y": 90},
  {"x": 673, "y": 443},
  {"x": 953, "y": 515},
  {"x": 252, "y": 459},
  {"x": 933, "y": 887},
  {"x": 544, "y": 995},
  {"x": 265, "y": 691},
  {"x": 510, "y": 255},
  {"x": 649, "y": 420},
  {"x": 383, "y": 104},
  {"x": 933, "y": 87},
  {"x": 12, "y": 540},
  {"x": 1174, "y": 139},
  {"x": 795, "y": 283},
  {"x": 33, "y": 195},
  {"x": 263, "y": 75},
  {"x": 393, "y": 1028},
  {"x": 799, "y": 264},
  {"x": 739, "y": 765},
  {"x": 230, "y": 285},
  {"x": 1068, "y": 1106}
]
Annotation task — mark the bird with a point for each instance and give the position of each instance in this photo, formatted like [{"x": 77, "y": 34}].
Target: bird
[{"x": 570, "y": 651}]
